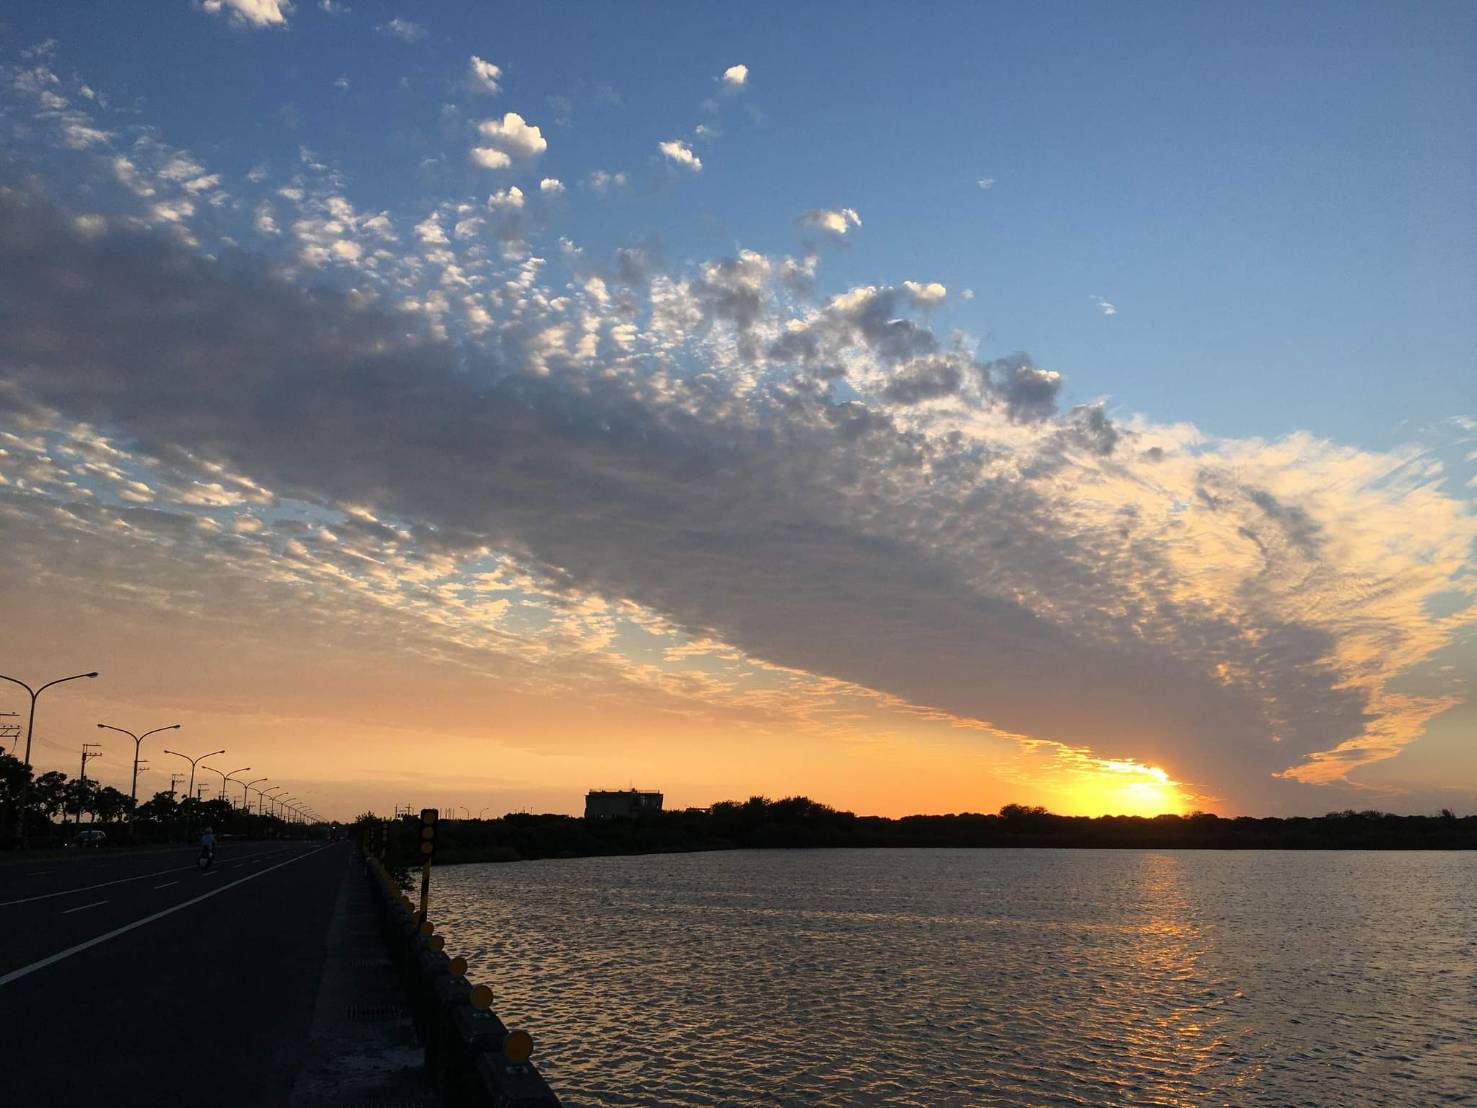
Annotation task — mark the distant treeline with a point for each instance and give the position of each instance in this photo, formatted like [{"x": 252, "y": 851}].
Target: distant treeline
[{"x": 798, "y": 822}]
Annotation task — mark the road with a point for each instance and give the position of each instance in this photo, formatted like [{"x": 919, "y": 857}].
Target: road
[{"x": 137, "y": 979}]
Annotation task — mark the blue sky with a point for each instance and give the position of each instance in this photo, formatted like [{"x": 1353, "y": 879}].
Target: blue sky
[
  {"x": 1276, "y": 199},
  {"x": 1066, "y": 404}
]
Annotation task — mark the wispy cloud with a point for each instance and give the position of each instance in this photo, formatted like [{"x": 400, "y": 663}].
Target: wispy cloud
[{"x": 402, "y": 29}]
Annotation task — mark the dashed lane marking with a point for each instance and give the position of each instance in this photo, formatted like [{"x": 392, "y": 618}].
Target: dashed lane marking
[
  {"x": 15, "y": 975},
  {"x": 83, "y": 908},
  {"x": 103, "y": 884}
]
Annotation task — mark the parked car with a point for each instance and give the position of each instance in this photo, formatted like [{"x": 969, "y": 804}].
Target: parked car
[{"x": 90, "y": 838}]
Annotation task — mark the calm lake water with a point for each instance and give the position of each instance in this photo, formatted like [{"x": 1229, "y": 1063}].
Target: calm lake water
[{"x": 978, "y": 977}]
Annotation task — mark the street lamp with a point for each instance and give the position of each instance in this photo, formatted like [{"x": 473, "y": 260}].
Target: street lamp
[
  {"x": 245, "y": 787},
  {"x": 138, "y": 742},
  {"x": 224, "y": 778},
  {"x": 265, "y": 794},
  {"x": 30, "y": 727},
  {"x": 192, "y": 762}
]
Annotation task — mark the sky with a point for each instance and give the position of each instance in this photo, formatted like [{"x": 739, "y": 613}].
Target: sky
[{"x": 919, "y": 410}]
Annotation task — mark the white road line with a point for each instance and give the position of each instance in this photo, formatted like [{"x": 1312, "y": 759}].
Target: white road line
[
  {"x": 102, "y": 885},
  {"x": 95, "y": 904},
  {"x": 166, "y": 884},
  {"x": 15, "y": 975}
]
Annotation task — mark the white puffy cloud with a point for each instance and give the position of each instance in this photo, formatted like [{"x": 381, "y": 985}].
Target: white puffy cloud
[
  {"x": 679, "y": 152},
  {"x": 925, "y": 295},
  {"x": 551, "y": 185},
  {"x": 1103, "y": 305},
  {"x": 506, "y": 139},
  {"x": 835, "y": 222},
  {"x": 250, "y": 13},
  {"x": 483, "y": 76},
  {"x": 735, "y": 76},
  {"x": 506, "y": 198},
  {"x": 490, "y": 158}
]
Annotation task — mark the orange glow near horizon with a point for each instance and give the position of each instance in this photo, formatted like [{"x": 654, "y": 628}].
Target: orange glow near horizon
[{"x": 1124, "y": 788}]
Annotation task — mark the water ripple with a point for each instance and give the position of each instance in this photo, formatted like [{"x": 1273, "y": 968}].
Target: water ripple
[{"x": 1024, "y": 977}]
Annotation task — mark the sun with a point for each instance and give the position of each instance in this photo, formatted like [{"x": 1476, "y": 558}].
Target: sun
[{"x": 1113, "y": 787}]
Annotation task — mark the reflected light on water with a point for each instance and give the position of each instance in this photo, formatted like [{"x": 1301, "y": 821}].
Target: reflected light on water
[{"x": 967, "y": 977}]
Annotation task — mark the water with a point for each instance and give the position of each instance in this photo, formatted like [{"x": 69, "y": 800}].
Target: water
[{"x": 979, "y": 977}]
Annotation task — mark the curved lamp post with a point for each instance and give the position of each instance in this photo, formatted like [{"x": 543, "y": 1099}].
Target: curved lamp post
[
  {"x": 224, "y": 778},
  {"x": 265, "y": 795},
  {"x": 20, "y": 812},
  {"x": 138, "y": 742},
  {"x": 247, "y": 786},
  {"x": 192, "y": 762}
]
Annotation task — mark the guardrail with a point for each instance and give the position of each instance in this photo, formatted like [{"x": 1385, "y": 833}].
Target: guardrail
[{"x": 473, "y": 1058}]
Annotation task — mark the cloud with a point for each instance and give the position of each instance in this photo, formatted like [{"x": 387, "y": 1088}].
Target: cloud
[
  {"x": 506, "y": 198},
  {"x": 507, "y": 139},
  {"x": 250, "y": 13},
  {"x": 680, "y": 153},
  {"x": 735, "y": 76},
  {"x": 483, "y": 77},
  {"x": 1103, "y": 305},
  {"x": 925, "y": 295},
  {"x": 836, "y": 223},
  {"x": 551, "y": 185},
  {"x": 402, "y": 29},
  {"x": 939, "y": 535},
  {"x": 490, "y": 158},
  {"x": 986, "y": 182},
  {"x": 602, "y": 181}
]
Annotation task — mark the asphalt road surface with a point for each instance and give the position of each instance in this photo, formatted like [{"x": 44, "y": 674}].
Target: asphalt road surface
[{"x": 137, "y": 979}]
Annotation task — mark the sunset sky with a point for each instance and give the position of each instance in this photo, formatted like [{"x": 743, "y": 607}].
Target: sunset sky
[{"x": 919, "y": 409}]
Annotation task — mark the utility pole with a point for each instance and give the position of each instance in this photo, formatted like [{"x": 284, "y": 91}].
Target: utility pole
[
  {"x": 89, "y": 752},
  {"x": 174, "y": 780},
  {"x": 10, "y": 730}
]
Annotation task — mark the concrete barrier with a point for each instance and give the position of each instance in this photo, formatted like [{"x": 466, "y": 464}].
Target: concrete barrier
[{"x": 474, "y": 1060}]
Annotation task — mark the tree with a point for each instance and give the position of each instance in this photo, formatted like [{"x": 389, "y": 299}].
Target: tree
[
  {"x": 160, "y": 810},
  {"x": 13, "y": 775},
  {"x": 49, "y": 793},
  {"x": 111, "y": 805},
  {"x": 80, "y": 795}
]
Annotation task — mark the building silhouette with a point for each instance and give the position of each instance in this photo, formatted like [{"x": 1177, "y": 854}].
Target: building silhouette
[{"x": 613, "y": 803}]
